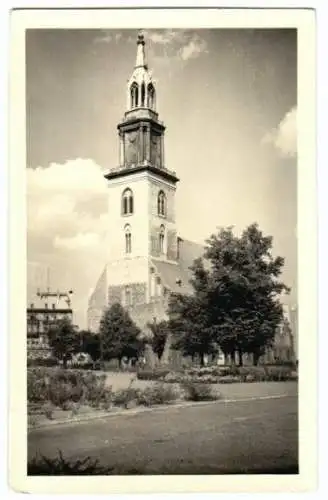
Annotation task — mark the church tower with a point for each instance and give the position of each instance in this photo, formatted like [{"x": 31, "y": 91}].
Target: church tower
[
  {"x": 141, "y": 193},
  {"x": 146, "y": 261}
]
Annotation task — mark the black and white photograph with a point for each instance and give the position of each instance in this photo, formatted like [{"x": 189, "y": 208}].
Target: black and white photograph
[{"x": 162, "y": 312}]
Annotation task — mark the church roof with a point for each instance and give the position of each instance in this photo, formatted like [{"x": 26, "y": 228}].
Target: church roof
[{"x": 176, "y": 275}]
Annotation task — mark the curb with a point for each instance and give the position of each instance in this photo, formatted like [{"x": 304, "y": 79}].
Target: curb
[{"x": 136, "y": 411}]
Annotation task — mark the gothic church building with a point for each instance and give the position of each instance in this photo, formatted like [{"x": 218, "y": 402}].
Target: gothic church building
[{"x": 147, "y": 259}]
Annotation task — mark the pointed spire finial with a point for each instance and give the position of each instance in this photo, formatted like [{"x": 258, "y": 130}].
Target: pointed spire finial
[
  {"x": 141, "y": 59},
  {"x": 141, "y": 38}
]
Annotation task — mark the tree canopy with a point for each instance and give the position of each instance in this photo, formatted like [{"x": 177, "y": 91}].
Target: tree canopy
[
  {"x": 63, "y": 339},
  {"x": 236, "y": 300},
  {"x": 90, "y": 343},
  {"x": 119, "y": 335}
]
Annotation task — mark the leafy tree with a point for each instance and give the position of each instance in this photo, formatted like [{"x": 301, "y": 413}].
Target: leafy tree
[
  {"x": 119, "y": 336},
  {"x": 160, "y": 333},
  {"x": 189, "y": 322},
  {"x": 236, "y": 302},
  {"x": 63, "y": 339},
  {"x": 90, "y": 343}
]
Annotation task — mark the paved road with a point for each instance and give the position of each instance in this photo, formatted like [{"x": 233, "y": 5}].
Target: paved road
[{"x": 255, "y": 436}]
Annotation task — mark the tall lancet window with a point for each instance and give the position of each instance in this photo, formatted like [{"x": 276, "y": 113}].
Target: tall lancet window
[
  {"x": 161, "y": 239},
  {"x": 127, "y": 202},
  {"x": 128, "y": 242},
  {"x": 161, "y": 204},
  {"x": 134, "y": 95},
  {"x": 151, "y": 96},
  {"x": 143, "y": 94}
]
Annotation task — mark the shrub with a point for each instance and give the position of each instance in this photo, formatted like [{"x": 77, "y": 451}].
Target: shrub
[
  {"x": 125, "y": 396},
  {"x": 42, "y": 362},
  {"x": 252, "y": 373},
  {"x": 48, "y": 411},
  {"x": 278, "y": 373},
  {"x": 61, "y": 386},
  {"x": 173, "y": 377},
  {"x": 60, "y": 467},
  {"x": 37, "y": 389},
  {"x": 158, "y": 394},
  {"x": 199, "y": 392}
]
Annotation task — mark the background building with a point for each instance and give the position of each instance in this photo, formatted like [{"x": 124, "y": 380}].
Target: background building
[{"x": 42, "y": 313}]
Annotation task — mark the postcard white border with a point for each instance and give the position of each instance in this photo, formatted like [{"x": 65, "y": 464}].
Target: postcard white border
[{"x": 304, "y": 21}]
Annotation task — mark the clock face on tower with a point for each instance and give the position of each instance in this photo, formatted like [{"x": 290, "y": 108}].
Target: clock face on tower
[
  {"x": 131, "y": 148},
  {"x": 156, "y": 150}
]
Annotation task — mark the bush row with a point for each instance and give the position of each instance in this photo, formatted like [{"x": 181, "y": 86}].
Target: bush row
[
  {"x": 221, "y": 374},
  {"x": 69, "y": 390}
]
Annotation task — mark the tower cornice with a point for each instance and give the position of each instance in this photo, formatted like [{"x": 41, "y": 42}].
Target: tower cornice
[{"x": 159, "y": 172}]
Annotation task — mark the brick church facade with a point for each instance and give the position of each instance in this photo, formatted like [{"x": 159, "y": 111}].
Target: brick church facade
[{"x": 147, "y": 260}]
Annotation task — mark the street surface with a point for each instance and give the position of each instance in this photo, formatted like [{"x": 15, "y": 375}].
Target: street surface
[{"x": 253, "y": 436}]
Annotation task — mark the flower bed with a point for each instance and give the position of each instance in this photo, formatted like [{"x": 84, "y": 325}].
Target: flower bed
[
  {"x": 222, "y": 374},
  {"x": 58, "y": 393}
]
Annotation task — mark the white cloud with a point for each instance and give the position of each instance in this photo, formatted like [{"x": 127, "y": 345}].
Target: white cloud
[
  {"x": 179, "y": 44},
  {"x": 284, "y": 137},
  {"x": 193, "y": 49},
  {"x": 67, "y": 218},
  {"x": 163, "y": 44},
  {"x": 78, "y": 241},
  {"x": 108, "y": 37}
]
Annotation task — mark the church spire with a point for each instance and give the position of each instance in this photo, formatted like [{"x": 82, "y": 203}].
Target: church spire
[
  {"x": 141, "y": 91},
  {"x": 141, "y": 58}
]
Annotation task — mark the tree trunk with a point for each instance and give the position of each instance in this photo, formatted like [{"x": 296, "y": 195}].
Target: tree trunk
[
  {"x": 256, "y": 358},
  {"x": 65, "y": 362},
  {"x": 240, "y": 356},
  {"x": 202, "y": 359}
]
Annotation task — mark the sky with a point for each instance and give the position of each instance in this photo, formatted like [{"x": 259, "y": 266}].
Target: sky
[{"x": 228, "y": 99}]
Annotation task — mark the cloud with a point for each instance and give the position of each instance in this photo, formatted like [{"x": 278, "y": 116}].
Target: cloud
[
  {"x": 284, "y": 137},
  {"x": 176, "y": 44},
  {"x": 66, "y": 222},
  {"x": 164, "y": 45},
  {"x": 108, "y": 36},
  {"x": 78, "y": 241},
  {"x": 193, "y": 49}
]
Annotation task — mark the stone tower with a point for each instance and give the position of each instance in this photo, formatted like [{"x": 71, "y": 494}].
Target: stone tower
[
  {"x": 141, "y": 194},
  {"x": 146, "y": 260}
]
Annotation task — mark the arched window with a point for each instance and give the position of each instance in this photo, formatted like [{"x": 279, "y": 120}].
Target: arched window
[
  {"x": 128, "y": 242},
  {"x": 134, "y": 95},
  {"x": 161, "y": 203},
  {"x": 151, "y": 96},
  {"x": 161, "y": 239},
  {"x": 143, "y": 94},
  {"x": 127, "y": 202}
]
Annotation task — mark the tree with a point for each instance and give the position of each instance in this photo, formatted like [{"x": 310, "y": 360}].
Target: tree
[
  {"x": 119, "y": 336},
  {"x": 90, "y": 343},
  {"x": 245, "y": 290},
  {"x": 63, "y": 339},
  {"x": 160, "y": 333},
  {"x": 189, "y": 322},
  {"x": 236, "y": 299}
]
